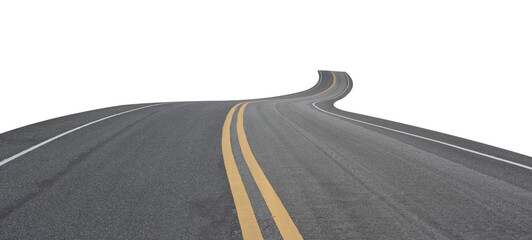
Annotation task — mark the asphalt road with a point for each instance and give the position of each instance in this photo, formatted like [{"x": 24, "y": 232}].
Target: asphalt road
[{"x": 287, "y": 167}]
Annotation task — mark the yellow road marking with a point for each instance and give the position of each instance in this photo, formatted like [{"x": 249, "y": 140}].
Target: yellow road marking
[
  {"x": 246, "y": 216},
  {"x": 282, "y": 219}
]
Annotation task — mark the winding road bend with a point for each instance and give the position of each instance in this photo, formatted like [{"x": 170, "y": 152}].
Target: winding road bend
[{"x": 287, "y": 167}]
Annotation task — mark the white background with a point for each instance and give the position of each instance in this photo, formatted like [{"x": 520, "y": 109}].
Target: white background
[{"x": 460, "y": 67}]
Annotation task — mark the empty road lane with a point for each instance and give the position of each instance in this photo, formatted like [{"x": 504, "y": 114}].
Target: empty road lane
[{"x": 289, "y": 167}]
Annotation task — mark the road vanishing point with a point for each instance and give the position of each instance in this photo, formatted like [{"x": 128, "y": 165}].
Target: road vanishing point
[{"x": 288, "y": 167}]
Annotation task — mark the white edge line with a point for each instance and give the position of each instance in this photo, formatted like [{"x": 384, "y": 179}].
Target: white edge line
[
  {"x": 417, "y": 136},
  {"x": 70, "y": 131}
]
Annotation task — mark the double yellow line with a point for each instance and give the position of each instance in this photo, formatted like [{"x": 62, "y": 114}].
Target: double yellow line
[{"x": 246, "y": 215}]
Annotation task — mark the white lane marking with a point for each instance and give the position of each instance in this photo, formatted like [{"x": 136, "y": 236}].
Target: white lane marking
[
  {"x": 417, "y": 136},
  {"x": 70, "y": 131}
]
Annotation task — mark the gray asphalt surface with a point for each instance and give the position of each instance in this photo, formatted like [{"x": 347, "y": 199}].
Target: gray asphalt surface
[{"x": 158, "y": 173}]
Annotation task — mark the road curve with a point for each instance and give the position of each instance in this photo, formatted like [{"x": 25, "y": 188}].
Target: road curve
[{"x": 287, "y": 167}]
